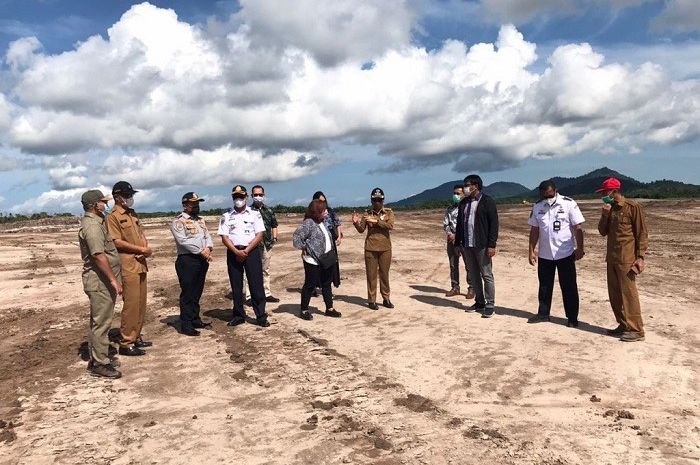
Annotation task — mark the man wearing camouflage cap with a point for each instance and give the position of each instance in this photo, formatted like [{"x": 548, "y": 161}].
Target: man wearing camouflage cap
[
  {"x": 194, "y": 247},
  {"x": 101, "y": 279}
]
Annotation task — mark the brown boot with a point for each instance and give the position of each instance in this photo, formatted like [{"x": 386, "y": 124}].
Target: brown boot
[
  {"x": 470, "y": 294},
  {"x": 106, "y": 371},
  {"x": 453, "y": 292},
  {"x": 632, "y": 336}
]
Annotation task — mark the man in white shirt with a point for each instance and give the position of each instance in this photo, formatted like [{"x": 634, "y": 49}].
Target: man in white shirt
[
  {"x": 241, "y": 230},
  {"x": 555, "y": 228}
]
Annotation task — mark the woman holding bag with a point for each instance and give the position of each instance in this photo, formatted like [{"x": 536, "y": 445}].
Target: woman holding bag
[{"x": 319, "y": 257}]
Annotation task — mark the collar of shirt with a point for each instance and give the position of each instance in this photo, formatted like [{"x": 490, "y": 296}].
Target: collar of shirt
[
  {"x": 620, "y": 202},
  {"x": 95, "y": 217},
  {"x": 233, "y": 211},
  {"x": 476, "y": 198},
  {"x": 122, "y": 210}
]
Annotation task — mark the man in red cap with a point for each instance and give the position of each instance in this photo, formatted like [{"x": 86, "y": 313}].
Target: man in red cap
[{"x": 622, "y": 221}]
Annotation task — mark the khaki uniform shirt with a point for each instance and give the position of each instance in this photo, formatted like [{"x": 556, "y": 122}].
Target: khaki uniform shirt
[
  {"x": 94, "y": 239},
  {"x": 378, "y": 239},
  {"x": 123, "y": 224},
  {"x": 626, "y": 229},
  {"x": 191, "y": 235}
]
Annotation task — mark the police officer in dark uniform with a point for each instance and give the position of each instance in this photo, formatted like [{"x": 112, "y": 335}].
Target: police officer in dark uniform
[{"x": 194, "y": 247}]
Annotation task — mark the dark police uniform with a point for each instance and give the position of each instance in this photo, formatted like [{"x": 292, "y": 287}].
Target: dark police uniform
[{"x": 191, "y": 238}]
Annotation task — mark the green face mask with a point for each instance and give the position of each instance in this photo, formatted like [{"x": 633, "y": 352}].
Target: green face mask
[
  {"x": 456, "y": 198},
  {"x": 607, "y": 199}
]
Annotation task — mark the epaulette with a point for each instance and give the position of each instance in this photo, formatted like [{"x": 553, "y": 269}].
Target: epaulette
[
  {"x": 567, "y": 198},
  {"x": 387, "y": 209}
]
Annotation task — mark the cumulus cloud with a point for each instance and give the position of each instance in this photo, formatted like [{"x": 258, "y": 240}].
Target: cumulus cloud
[
  {"x": 164, "y": 103},
  {"x": 330, "y": 31},
  {"x": 678, "y": 16},
  {"x": 69, "y": 200}
]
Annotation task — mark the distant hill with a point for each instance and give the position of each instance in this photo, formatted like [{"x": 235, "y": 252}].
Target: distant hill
[
  {"x": 580, "y": 186},
  {"x": 444, "y": 192}
]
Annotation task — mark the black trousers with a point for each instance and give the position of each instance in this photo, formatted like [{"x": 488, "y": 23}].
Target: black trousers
[
  {"x": 252, "y": 266},
  {"x": 566, "y": 267},
  {"x": 313, "y": 275},
  {"x": 191, "y": 272}
]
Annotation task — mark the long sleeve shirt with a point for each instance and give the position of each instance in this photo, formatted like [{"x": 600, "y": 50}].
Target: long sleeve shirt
[
  {"x": 378, "y": 238},
  {"x": 625, "y": 227}
]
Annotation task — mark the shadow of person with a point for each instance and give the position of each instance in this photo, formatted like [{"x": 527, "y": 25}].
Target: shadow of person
[
  {"x": 438, "y": 301},
  {"x": 294, "y": 290},
  {"x": 351, "y": 299},
  {"x": 582, "y": 326},
  {"x": 430, "y": 289},
  {"x": 84, "y": 351},
  {"x": 293, "y": 309},
  {"x": 222, "y": 314}
]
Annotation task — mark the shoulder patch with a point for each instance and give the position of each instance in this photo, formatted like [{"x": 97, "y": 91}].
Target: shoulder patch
[{"x": 178, "y": 225}]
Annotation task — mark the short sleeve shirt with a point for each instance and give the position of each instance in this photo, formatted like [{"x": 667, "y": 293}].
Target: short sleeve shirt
[
  {"x": 241, "y": 227},
  {"x": 555, "y": 221},
  {"x": 94, "y": 239}
]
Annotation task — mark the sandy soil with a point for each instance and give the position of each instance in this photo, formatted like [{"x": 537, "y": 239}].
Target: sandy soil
[{"x": 425, "y": 383}]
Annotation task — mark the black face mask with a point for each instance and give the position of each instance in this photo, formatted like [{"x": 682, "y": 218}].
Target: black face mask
[{"x": 194, "y": 211}]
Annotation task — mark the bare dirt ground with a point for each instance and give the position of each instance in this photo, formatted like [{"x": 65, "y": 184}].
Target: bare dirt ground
[{"x": 425, "y": 383}]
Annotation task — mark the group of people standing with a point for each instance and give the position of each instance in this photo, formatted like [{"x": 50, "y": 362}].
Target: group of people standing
[
  {"x": 114, "y": 249},
  {"x": 556, "y": 242}
]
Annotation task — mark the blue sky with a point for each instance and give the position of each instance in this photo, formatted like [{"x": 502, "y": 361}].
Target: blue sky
[{"x": 339, "y": 96}]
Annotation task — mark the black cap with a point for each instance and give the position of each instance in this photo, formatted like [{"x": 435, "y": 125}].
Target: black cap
[
  {"x": 239, "y": 190},
  {"x": 377, "y": 193},
  {"x": 123, "y": 187},
  {"x": 191, "y": 197}
]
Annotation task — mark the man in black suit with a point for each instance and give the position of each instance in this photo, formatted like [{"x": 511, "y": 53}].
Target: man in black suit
[{"x": 477, "y": 233}]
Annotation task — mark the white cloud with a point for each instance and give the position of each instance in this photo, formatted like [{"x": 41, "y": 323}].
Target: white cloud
[
  {"x": 69, "y": 200},
  {"x": 333, "y": 31},
  {"x": 679, "y": 16},
  {"x": 164, "y": 103}
]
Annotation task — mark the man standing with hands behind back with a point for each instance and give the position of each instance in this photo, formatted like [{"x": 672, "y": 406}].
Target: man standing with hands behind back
[
  {"x": 622, "y": 221},
  {"x": 128, "y": 233}
]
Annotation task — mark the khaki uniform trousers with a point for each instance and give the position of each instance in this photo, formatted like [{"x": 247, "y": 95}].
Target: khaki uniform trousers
[
  {"x": 624, "y": 298},
  {"x": 266, "y": 255},
  {"x": 102, "y": 299},
  {"x": 134, "y": 292},
  {"x": 377, "y": 261}
]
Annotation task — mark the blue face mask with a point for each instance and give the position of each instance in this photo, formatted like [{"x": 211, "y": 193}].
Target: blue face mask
[
  {"x": 107, "y": 209},
  {"x": 456, "y": 198},
  {"x": 607, "y": 199}
]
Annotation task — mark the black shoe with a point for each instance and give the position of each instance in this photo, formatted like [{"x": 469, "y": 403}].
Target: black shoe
[
  {"x": 616, "y": 332},
  {"x": 488, "y": 312},
  {"x": 131, "y": 351},
  {"x": 236, "y": 320},
  {"x": 189, "y": 332},
  {"x": 262, "y": 323},
  {"x": 373, "y": 306},
  {"x": 314, "y": 293},
  {"x": 249, "y": 302},
  {"x": 272, "y": 298},
  {"x": 201, "y": 325},
  {"x": 306, "y": 315},
  {"x": 106, "y": 371},
  {"x": 474, "y": 308},
  {"x": 538, "y": 318},
  {"x": 572, "y": 323},
  {"x": 387, "y": 303},
  {"x": 140, "y": 343},
  {"x": 333, "y": 313}
]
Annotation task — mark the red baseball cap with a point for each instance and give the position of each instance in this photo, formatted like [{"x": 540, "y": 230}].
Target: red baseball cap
[{"x": 610, "y": 184}]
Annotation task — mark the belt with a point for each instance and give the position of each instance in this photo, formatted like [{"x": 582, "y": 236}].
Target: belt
[{"x": 240, "y": 247}]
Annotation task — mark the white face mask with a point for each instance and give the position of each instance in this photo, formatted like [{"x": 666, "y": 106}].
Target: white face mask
[
  {"x": 129, "y": 202},
  {"x": 552, "y": 200},
  {"x": 259, "y": 198},
  {"x": 239, "y": 203}
]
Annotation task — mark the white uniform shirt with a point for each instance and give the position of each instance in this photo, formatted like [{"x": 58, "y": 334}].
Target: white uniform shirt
[
  {"x": 241, "y": 227},
  {"x": 556, "y": 221},
  {"x": 329, "y": 244}
]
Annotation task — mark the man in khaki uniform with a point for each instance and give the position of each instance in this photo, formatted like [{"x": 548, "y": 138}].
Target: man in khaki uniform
[
  {"x": 622, "y": 221},
  {"x": 128, "y": 234},
  {"x": 378, "y": 221},
  {"x": 101, "y": 280}
]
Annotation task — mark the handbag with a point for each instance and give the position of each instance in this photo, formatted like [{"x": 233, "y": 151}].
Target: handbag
[{"x": 326, "y": 260}]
